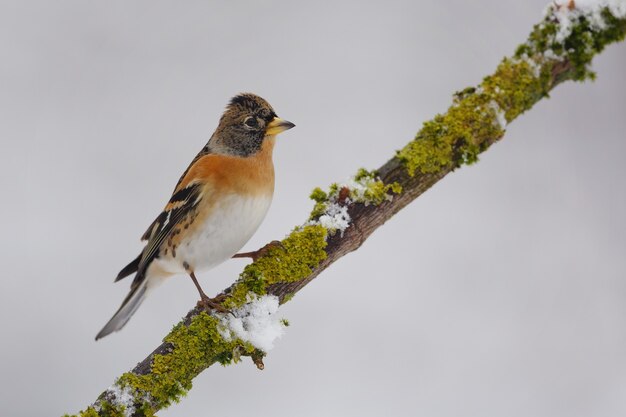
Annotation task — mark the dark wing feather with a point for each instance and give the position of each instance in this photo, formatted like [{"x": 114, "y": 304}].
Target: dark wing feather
[
  {"x": 203, "y": 152},
  {"x": 182, "y": 202},
  {"x": 129, "y": 269}
]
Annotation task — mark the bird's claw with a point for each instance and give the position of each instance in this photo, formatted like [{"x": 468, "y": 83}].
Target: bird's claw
[
  {"x": 261, "y": 252},
  {"x": 213, "y": 304}
]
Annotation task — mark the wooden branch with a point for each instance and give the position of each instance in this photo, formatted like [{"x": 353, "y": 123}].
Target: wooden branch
[{"x": 553, "y": 53}]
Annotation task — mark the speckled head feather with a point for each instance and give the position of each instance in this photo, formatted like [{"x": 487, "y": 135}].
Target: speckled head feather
[
  {"x": 249, "y": 101},
  {"x": 243, "y": 126}
]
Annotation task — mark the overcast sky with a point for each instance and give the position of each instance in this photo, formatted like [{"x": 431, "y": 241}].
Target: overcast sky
[{"x": 499, "y": 292}]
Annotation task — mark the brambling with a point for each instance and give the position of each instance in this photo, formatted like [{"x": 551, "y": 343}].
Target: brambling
[{"x": 217, "y": 205}]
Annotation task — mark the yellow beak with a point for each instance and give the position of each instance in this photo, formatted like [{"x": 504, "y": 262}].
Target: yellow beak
[{"x": 278, "y": 125}]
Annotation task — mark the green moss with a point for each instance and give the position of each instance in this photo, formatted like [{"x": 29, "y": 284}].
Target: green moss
[
  {"x": 365, "y": 188},
  {"x": 89, "y": 412},
  {"x": 321, "y": 199},
  {"x": 364, "y": 174},
  {"x": 515, "y": 86},
  {"x": 456, "y": 137},
  {"x": 582, "y": 44},
  {"x": 301, "y": 251},
  {"x": 194, "y": 347},
  {"x": 377, "y": 192},
  {"x": 467, "y": 129},
  {"x": 369, "y": 189},
  {"x": 147, "y": 411},
  {"x": 318, "y": 209},
  {"x": 106, "y": 409},
  {"x": 318, "y": 195},
  {"x": 288, "y": 297}
]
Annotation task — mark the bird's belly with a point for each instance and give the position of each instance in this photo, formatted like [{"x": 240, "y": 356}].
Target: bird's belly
[{"x": 223, "y": 232}]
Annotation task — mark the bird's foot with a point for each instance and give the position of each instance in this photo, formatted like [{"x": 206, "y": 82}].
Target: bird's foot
[
  {"x": 261, "y": 252},
  {"x": 215, "y": 303}
]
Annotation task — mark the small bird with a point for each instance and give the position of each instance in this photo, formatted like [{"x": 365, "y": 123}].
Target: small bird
[{"x": 217, "y": 205}]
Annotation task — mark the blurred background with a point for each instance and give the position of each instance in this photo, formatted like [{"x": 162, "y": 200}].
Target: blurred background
[{"x": 499, "y": 292}]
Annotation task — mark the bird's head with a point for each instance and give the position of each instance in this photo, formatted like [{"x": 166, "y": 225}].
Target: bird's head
[{"x": 247, "y": 122}]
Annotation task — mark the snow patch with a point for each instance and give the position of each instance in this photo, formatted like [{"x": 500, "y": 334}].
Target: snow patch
[
  {"x": 567, "y": 12},
  {"x": 122, "y": 397},
  {"x": 359, "y": 188},
  {"x": 534, "y": 65},
  {"x": 500, "y": 116},
  {"x": 549, "y": 54},
  {"x": 254, "y": 322},
  {"x": 365, "y": 188},
  {"x": 335, "y": 218}
]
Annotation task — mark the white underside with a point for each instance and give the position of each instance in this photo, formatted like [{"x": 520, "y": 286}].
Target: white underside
[{"x": 231, "y": 224}]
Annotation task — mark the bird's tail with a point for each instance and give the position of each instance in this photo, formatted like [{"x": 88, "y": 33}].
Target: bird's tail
[{"x": 126, "y": 310}]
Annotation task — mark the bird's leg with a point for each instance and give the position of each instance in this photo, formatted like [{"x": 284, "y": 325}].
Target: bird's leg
[
  {"x": 261, "y": 252},
  {"x": 206, "y": 301}
]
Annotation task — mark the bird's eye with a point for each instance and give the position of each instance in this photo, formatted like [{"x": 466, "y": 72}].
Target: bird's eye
[{"x": 250, "y": 122}]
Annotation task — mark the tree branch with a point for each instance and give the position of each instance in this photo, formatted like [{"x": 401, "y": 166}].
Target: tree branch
[{"x": 559, "y": 48}]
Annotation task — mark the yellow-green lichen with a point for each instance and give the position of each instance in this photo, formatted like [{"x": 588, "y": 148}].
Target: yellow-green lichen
[
  {"x": 291, "y": 261},
  {"x": 106, "y": 409},
  {"x": 456, "y": 137},
  {"x": 364, "y": 174},
  {"x": 288, "y": 297},
  {"x": 318, "y": 195},
  {"x": 467, "y": 129},
  {"x": 365, "y": 187},
  {"x": 89, "y": 412},
  {"x": 321, "y": 198},
  {"x": 584, "y": 40},
  {"x": 194, "y": 347},
  {"x": 472, "y": 123}
]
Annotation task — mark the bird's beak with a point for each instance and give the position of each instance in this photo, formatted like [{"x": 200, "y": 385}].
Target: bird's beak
[{"x": 278, "y": 125}]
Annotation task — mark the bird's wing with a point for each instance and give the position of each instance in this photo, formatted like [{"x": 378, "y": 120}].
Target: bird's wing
[
  {"x": 182, "y": 202},
  {"x": 203, "y": 152}
]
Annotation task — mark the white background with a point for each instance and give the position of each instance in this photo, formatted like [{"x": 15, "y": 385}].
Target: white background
[{"x": 499, "y": 292}]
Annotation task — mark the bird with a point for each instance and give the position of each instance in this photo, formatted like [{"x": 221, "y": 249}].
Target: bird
[{"x": 217, "y": 205}]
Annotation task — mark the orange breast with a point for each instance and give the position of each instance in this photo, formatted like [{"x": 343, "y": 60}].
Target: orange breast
[{"x": 250, "y": 176}]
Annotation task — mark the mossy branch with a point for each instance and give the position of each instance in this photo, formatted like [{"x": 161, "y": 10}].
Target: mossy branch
[{"x": 559, "y": 48}]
